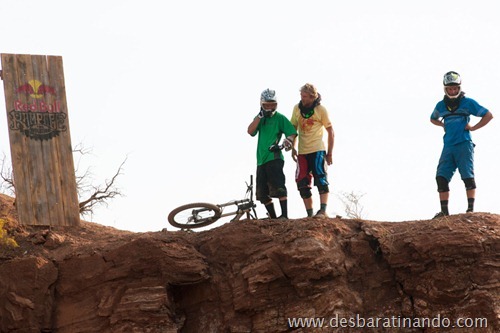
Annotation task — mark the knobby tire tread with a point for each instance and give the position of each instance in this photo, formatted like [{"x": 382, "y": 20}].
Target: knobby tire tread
[{"x": 217, "y": 213}]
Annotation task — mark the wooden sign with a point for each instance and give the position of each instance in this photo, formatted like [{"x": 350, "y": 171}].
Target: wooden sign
[{"x": 40, "y": 144}]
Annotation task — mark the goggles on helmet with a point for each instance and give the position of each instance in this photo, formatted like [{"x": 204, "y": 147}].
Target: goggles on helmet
[{"x": 452, "y": 79}]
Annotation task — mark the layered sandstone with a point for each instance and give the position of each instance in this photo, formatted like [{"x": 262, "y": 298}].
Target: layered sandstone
[{"x": 251, "y": 276}]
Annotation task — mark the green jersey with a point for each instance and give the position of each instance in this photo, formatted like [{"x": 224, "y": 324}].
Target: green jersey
[{"x": 270, "y": 131}]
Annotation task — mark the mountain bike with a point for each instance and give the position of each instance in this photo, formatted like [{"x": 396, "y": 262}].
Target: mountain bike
[{"x": 200, "y": 214}]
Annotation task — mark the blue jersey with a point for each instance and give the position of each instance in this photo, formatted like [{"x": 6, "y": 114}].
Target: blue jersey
[{"x": 455, "y": 122}]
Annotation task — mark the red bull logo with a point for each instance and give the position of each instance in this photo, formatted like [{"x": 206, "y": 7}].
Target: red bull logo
[
  {"x": 36, "y": 90},
  {"x": 34, "y": 116}
]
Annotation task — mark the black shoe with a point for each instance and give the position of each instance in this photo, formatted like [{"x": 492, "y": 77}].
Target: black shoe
[
  {"x": 440, "y": 214},
  {"x": 282, "y": 217},
  {"x": 469, "y": 211}
]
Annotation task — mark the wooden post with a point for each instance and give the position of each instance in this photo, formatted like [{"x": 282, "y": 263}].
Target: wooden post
[{"x": 40, "y": 143}]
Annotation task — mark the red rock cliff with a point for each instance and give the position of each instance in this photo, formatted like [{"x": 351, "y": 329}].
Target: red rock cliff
[{"x": 253, "y": 276}]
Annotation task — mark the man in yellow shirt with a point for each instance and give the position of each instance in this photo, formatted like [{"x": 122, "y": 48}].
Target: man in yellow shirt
[{"x": 310, "y": 118}]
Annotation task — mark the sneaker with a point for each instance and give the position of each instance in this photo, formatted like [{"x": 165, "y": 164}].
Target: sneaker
[
  {"x": 282, "y": 217},
  {"x": 321, "y": 214},
  {"x": 440, "y": 214},
  {"x": 469, "y": 211}
]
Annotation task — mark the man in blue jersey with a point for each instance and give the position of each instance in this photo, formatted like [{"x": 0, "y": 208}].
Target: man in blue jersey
[{"x": 453, "y": 114}]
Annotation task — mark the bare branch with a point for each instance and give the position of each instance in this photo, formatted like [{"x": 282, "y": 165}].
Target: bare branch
[
  {"x": 7, "y": 177},
  {"x": 352, "y": 205},
  {"x": 81, "y": 180},
  {"x": 81, "y": 149},
  {"x": 100, "y": 194},
  {"x": 96, "y": 195}
]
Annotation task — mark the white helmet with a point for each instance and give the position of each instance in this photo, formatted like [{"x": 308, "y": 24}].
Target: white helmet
[
  {"x": 266, "y": 96},
  {"x": 452, "y": 79}
]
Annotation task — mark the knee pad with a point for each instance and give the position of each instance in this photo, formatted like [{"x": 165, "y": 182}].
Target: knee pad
[
  {"x": 303, "y": 183},
  {"x": 305, "y": 193},
  {"x": 323, "y": 189},
  {"x": 470, "y": 183},
  {"x": 442, "y": 184}
]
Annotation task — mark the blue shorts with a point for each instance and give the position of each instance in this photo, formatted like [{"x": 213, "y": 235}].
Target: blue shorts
[{"x": 459, "y": 156}]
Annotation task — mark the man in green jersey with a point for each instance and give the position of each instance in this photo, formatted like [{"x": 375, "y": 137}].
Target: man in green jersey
[{"x": 271, "y": 125}]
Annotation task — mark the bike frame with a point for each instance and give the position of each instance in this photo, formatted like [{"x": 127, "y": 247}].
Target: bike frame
[
  {"x": 200, "y": 214},
  {"x": 244, "y": 206}
]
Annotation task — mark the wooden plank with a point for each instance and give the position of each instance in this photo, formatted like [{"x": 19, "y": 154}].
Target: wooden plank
[
  {"x": 41, "y": 148},
  {"x": 44, "y": 149},
  {"x": 39, "y": 177},
  {"x": 64, "y": 149},
  {"x": 13, "y": 69}
]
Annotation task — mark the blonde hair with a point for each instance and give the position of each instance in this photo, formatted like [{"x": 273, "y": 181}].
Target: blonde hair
[{"x": 309, "y": 88}]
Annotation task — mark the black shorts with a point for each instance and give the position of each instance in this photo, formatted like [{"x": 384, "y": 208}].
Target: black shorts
[{"x": 270, "y": 180}]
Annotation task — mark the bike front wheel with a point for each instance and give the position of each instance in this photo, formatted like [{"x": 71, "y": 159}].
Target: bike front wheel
[{"x": 194, "y": 215}]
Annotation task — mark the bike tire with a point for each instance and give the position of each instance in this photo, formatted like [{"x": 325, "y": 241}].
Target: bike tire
[{"x": 184, "y": 216}]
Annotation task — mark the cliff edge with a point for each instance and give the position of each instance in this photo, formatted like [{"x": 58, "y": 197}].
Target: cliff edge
[{"x": 302, "y": 275}]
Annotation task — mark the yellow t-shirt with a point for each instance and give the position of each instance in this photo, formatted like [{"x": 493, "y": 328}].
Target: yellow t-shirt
[{"x": 311, "y": 129}]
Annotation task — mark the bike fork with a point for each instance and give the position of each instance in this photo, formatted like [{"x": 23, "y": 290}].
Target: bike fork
[{"x": 237, "y": 216}]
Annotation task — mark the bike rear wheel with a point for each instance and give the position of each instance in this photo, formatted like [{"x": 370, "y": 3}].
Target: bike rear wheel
[{"x": 194, "y": 215}]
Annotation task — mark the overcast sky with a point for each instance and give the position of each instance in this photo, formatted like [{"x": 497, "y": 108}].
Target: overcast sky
[{"x": 173, "y": 85}]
